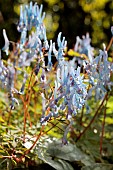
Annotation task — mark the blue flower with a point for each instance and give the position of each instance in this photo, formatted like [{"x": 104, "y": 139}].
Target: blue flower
[
  {"x": 112, "y": 30},
  {"x": 49, "y": 66},
  {"x": 6, "y": 46},
  {"x": 23, "y": 38},
  {"x": 61, "y": 46}
]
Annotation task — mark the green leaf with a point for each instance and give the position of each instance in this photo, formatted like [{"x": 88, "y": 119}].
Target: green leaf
[
  {"x": 1, "y": 119},
  {"x": 68, "y": 152},
  {"x": 58, "y": 164}
]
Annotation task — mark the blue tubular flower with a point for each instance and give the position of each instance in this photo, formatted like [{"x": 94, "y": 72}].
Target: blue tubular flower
[
  {"x": 46, "y": 45},
  {"x": 34, "y": 43},
  {"x": 55, "y": 52},
  {"x": 21, "y": 14},
  {"x": 46, "y": 118},
  {"x": 99, "y": 71},
  {"x": 21, "y": 23},
  {"x": 33, "y": 16},
  {"x": 34, "y": 10},
  {"x": 29, "y": 13},
  {"x": 40, "y": 12},
  {"x": 78, "y": 41},
  {"x": 3, "y": 73},
  {"x": 6, "y": 46},
  {"x": 59, "y": 39},
  {"x": 30, "y": 8},
  {"x": 83, "y": 46},
  {"x": 10, "y": 78},
  {"x": 64, "y": 73},
  {"x": 41, "y": 18},
  {"x": 61, "y": 46},
  {"x": 78, "y": 72},
  {"x": 7, "y": 80},
  {"x": 58, "y": 75},
  {"x": 52, "y": 113},
  {"x": 30, "y": 16},
  {"x": 23, "y": 38},
  {"x": 13, "y": 102},
  {"x": 25, "y": 21},
  {"x": 112, "y": 30},
  {"x": 49, "y": 66}
]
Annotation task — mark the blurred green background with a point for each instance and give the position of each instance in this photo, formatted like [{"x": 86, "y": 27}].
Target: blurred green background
[{"x": 72, "y": 17}]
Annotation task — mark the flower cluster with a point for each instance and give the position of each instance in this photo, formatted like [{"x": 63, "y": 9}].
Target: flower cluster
[
  {"x": 70, "y": 90},
  {"x": 98, "y": 69},
  {"x": 83, "y": 46},
  {"x": 7, "y": 81},
  {"x": 28, "y": 49},
  {"x": 99, "y": 72}
]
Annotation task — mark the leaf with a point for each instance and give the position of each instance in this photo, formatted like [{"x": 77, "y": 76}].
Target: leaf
[
  {"x": 1, "y": 119},
  {"x": 74, "y": 53},
  {"x": 68, "y": 152},
  {"x": 98, "y": 166},
  {"x": 57, "y": 164}
]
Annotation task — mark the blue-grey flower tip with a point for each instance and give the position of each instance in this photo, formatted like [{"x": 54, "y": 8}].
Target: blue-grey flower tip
[{"x": 6, "y": 46}]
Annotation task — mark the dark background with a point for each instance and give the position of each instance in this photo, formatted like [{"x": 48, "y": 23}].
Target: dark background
[{"x": 72, "y": 17}]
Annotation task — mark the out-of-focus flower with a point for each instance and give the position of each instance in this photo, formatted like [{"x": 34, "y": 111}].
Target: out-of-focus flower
[{"x": 112, "y": 30}]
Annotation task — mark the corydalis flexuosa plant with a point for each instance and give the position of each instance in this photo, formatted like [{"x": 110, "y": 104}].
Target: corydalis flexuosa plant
[{"x": 71, "y": 86}]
